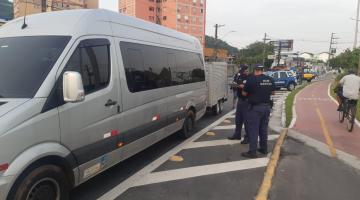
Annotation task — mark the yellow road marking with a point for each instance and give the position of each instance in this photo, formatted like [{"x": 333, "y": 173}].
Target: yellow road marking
[
  {"x": 210, "y": 133},
  {"x": 227, "y": 121},
  {"x": 327, "y": 136},
  {"x": 176, "y": 158},
  {"x": 265, "y": 187}
]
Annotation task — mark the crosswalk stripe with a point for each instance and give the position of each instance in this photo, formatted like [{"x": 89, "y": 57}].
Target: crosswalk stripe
[
  {"x": 224, "y": 142},
  {"x": 191, "y": 172},
  {"x": 224, "y": 127}
]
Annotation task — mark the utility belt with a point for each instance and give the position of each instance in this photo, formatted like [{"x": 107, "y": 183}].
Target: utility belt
[
  {"x": 260, "y": 104},
  {"x": 243, "y": 100}
]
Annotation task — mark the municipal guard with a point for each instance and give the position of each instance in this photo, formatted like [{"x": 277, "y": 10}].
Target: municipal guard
[
  {"x": 242, "y": 106},
  {"x": 258, "y": 88}
]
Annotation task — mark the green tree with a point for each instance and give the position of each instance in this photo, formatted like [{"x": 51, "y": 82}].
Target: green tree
[
  {"x": 210, "y": 43},
  {"x": 349, "y": 59},
  {"x": 254, "y": 54}
]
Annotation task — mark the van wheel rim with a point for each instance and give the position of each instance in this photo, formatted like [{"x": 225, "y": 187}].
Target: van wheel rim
[
  {"x": 45, "y": 189},
  {"x": 292, "y": 87}
]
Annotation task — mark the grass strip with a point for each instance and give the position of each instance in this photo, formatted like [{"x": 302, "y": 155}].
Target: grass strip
[{"x": 289, "y": 102}]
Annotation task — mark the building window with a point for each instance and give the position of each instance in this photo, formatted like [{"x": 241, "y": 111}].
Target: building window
[
  {"x": 151, "y": 0},
  {"x": 151, "y": 18},
  {"x": 158, "y": 9},
  {"x": 193, "y": 19},
  {"x": 186, "y": 18},
  {"x": 152, "y": 9},
  {"x": 194, "y": 10},
  {"x": 194, "y": 2},
  {"x": 202, "y": 2},
  {"x": 164, "y": 17}
]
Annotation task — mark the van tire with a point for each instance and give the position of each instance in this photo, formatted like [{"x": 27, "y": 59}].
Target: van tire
[
  {"x": 217, "y": 109},
  {"x": 189, "y": 125},
  {"x": 48, "y": 180},
  {"x": 309, "y": 80}
]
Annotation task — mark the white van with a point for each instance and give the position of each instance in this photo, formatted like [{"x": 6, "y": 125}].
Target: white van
[{"x": 82, "y": 90}]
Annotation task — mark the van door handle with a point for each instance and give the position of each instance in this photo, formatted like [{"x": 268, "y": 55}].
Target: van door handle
[{"x": 110, "y": 103}]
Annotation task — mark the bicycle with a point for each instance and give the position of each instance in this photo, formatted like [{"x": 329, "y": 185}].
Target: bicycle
[{"x": 348, "y": 111}]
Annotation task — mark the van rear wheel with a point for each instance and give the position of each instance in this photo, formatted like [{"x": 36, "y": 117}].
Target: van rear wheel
[
  {"x": 46, "y": 182},
  {"x": 218, "y": 108},
  {"x": 189, "y": 125}
]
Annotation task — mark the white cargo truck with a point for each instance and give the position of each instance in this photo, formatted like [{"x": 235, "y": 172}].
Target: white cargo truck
[{"x": 217, "y": 82}]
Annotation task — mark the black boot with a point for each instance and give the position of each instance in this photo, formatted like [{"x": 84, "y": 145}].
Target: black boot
[
  {"x": 263, "y": 151},
  {"x": 234, "y": 138},
  {"x": 245, "y": 141},
  {"x": 249, "y": 154}
]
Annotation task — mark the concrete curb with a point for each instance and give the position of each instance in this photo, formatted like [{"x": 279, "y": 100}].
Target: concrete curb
[{"x": 294, "y": 115}]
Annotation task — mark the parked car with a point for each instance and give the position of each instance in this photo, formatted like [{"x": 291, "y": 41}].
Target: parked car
[
  {"x": 308, "y": 74},
  {"x": 83, "y": 90},
  {"x": 284, "y": 79}
]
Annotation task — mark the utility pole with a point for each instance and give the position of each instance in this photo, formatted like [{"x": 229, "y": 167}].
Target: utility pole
[
  {"x": 332, "y": 41},
  {"x": 217, "y": 26},
  {"x": 356, "y": 25},
  {"x": 279, "y": 53},
  {"x": 264, "y": 48}
]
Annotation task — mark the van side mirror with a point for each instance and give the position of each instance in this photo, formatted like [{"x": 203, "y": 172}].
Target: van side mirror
[{"x": 73, "y": 89}]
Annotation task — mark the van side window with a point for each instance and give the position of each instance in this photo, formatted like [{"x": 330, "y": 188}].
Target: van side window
[
  {"x": 92, "y": 60},
  {"x": 150, "y": 67}
]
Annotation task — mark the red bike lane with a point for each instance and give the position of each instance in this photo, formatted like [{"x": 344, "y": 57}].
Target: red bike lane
[{"x": 317, "y": 118}]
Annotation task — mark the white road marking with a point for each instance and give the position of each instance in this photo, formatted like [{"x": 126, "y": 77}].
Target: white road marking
[
  {"x": 131, "y": 181},
  {"x": 231, "y": 117},
  {"x": 224, "y": 127},
  {"x": 191, "y": 172},
  {"x": 224, "y": 142}
]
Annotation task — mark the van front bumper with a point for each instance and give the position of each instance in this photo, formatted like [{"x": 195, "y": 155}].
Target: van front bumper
[{"x": 5, "y": 186}]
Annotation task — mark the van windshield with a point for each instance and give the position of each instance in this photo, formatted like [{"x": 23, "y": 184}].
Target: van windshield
[{"x": 26, "y": 61}]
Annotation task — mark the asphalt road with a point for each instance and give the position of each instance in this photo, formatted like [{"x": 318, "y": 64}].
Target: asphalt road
[
  {"x": 102, "y": 183},
  {"x": 206, "y": 166},
  {"x": 304, "y": 173}
]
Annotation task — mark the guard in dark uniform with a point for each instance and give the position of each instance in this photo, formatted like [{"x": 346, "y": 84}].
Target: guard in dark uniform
[
  {"x": 258, "y": 88},
  {"x": 242, "y": 106}
]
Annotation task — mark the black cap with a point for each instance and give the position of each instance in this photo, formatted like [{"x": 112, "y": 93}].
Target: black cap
[{"x": 259, "y": 67}]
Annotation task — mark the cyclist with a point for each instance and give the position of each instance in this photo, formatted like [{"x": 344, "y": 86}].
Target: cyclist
[{"x": 350, "y": 87}]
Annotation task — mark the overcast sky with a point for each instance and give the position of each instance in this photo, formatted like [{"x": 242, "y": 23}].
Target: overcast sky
[{"x": 309, "y": 22}]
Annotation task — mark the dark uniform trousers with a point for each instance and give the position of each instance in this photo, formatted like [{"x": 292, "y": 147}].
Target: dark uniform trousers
[
  {"x": 257, "y": 122},
  {"x": 240, "y": 119}
]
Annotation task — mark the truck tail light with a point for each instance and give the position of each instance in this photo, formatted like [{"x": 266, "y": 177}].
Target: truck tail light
[{"x": 4, "y": 167}]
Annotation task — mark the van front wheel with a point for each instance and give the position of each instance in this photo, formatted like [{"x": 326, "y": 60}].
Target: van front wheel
[
  {"x": 189, "y": 125},
  {"x": 47, "y": 182}
]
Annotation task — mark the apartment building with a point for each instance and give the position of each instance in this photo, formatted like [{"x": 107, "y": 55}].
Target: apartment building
[
  {"x": 188, "y": 16},
  {"x": 38, "y": 6}
]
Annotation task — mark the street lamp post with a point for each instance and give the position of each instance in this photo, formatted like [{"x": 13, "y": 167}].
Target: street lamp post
[{"x": 356, "y": 25}]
